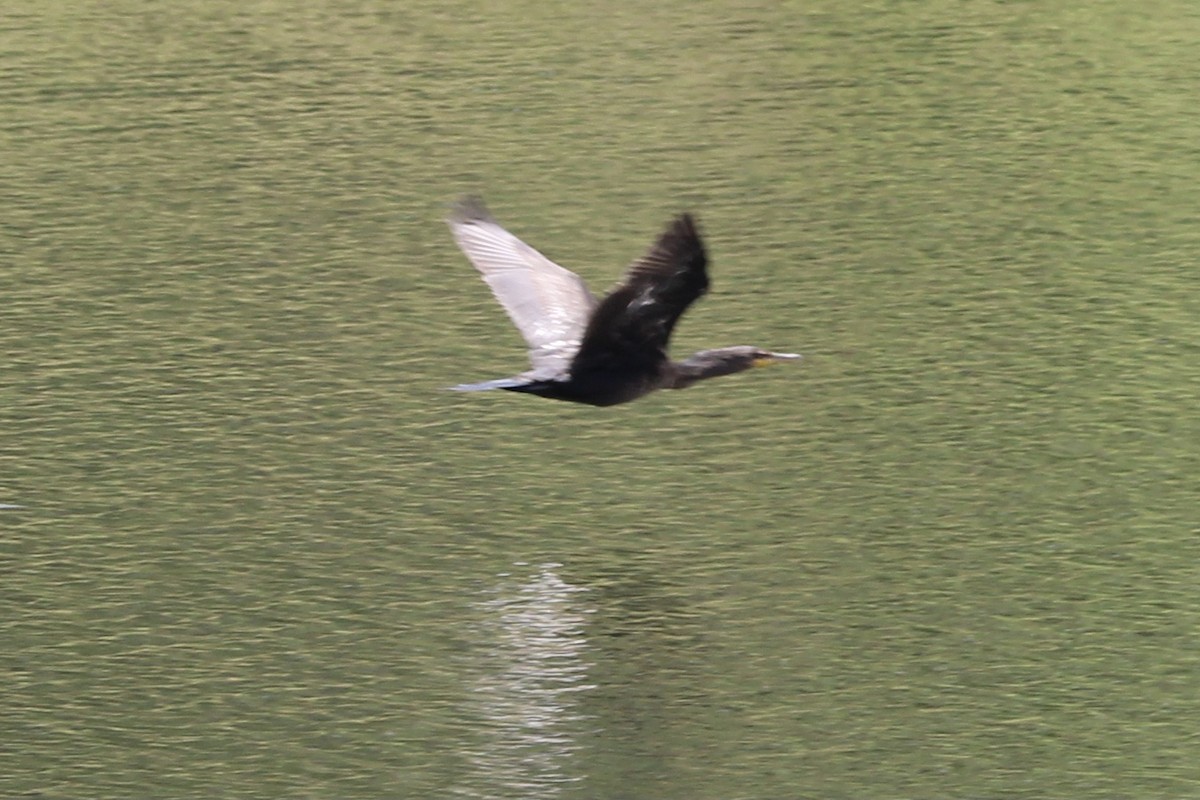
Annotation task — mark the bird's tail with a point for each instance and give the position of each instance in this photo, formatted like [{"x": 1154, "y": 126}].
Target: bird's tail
[{"x": 499, "y": 383}]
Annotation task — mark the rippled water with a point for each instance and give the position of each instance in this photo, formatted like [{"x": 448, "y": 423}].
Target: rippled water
[{"x": 254, "y": 550}]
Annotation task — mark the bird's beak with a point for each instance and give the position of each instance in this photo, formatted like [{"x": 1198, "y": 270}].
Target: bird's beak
[{"x": 775, "y": 358}]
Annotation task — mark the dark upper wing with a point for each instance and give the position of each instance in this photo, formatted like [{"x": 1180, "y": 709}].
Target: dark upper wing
[{"x": 637, "y": 317}]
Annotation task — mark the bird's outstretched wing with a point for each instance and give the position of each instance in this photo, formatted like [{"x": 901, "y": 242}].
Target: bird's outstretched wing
[
  {"x": 637, "y": 317},
  {"x": 549, "y": 305}
]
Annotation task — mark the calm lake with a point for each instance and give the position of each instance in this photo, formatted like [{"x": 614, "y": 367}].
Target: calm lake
[{"x": 260, "y": 552}]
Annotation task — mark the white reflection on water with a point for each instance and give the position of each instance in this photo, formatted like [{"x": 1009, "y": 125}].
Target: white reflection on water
[{"x": 530, "y": 671}]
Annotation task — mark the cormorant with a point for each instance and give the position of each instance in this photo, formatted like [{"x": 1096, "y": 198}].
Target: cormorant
[{"x": 597, "y": 352}]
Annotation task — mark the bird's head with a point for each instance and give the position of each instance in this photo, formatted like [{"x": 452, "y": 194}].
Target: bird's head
[
  {"x": 725, "y": 361},
  {"x": 763, "y": 358}
]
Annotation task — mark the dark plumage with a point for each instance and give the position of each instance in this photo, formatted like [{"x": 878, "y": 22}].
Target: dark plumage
[{"x": 600, "y": 353}]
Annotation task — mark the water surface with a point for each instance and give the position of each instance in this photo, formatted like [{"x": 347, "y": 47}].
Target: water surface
[{"x": 261, "y": 553}]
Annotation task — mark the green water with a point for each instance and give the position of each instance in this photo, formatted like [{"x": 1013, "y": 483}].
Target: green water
[{"x": 261, "y": 553}]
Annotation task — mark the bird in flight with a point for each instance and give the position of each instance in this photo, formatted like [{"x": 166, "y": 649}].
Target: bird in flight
[{"x": 599, "y": 352}]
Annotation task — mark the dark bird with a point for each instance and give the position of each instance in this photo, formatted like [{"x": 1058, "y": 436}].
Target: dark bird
[{"x": 598, "y": 352}]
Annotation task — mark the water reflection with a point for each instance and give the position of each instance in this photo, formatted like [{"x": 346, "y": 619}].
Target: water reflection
[{"x": 528, "y": 675}]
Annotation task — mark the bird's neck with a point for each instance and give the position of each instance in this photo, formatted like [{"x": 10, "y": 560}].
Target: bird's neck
[{"x": 699, "y": 366}]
